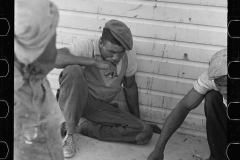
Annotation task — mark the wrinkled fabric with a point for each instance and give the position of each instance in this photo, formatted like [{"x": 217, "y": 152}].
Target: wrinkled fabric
[
  {"x": 35, "y": 23},
  {"x": 203, "y": 85},
  {"x": 104, "y": 121},
  {"x": 37, "y": 118},
  {"x": 218, "y": 65}
]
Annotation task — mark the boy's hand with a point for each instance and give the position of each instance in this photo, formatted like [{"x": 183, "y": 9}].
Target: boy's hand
[
  {"x": 111, "y": 69},
  {"x": 156, "y": 155}
]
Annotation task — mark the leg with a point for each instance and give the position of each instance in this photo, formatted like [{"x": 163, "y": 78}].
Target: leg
[
  {"x": 112, "y": 124},
  {"x": 73, "y": 95},
  {"x": 72, "y": 98},
  {"x": 216, "y": 124}
]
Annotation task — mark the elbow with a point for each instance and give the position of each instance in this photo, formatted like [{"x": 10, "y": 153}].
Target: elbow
[
  {"x": 59, "y": 63},
  {"x": 61, "y": 58}
]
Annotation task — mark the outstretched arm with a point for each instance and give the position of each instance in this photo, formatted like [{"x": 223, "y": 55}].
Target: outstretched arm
[
  {"x": 64, "y": 58},
  {"x": 174, "y": 121}
]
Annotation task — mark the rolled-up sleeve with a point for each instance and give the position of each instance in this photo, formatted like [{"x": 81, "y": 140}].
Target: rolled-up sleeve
[
  {"x": 82, "y": 48},
  {"x": 203, "y": 84},
  {"x": 132, "y": 63}
]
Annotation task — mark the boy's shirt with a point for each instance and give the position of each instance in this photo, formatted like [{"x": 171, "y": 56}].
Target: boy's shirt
[{"x": 90, "y": 48}]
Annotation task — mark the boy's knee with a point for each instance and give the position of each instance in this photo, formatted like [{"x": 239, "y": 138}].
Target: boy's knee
[
  {"x": 145, "y": 136},
  {"x": 212, "y": 100},
  {"x": 72, "y": 72},
  {"x": 212, "y": 95}
]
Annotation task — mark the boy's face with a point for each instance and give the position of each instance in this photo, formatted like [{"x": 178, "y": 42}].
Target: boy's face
[
  {"x": 112, "y": 52},
  {"x": 221, "y": 84}
]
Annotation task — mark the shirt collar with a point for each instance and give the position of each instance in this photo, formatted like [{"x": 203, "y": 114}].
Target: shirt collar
[{"x": 96, "y": 48}]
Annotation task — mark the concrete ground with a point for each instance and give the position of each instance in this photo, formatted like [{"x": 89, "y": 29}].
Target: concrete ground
[{"x": 179, "y": 147}]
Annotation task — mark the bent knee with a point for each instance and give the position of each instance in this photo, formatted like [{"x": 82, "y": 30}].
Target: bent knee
[
  {"x": 145, "y": 136},
  {"x": 72, "y": 72},
  {"x": 213, "y": 95},
  {"x": 212, "y": 100},
  {"x": 73, "y": 69}
]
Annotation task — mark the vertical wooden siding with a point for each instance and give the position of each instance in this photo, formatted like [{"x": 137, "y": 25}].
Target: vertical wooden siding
[{"x": 174, "y": 40}]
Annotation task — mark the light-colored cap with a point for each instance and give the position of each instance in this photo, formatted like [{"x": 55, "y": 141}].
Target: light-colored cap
[
  {"x": 34, "y": 25},
  {"x": 218, "y": 65}
]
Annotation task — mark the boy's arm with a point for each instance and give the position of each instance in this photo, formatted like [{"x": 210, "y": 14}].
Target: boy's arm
[
  {"x": 175, "y": 120},
  {"x": 131, "y": 95},
  {"x": 64, "y": 58}
]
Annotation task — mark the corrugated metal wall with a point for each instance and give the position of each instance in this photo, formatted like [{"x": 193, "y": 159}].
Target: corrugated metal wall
[{"x": 174, "y": 40}]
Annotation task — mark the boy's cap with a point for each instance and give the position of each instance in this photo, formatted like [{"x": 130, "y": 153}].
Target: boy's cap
[
  {"x": 121, "y": 32},
  {"x": 218, "y": 65}
]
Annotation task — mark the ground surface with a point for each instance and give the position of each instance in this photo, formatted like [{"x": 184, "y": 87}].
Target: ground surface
[{"x": 179, "y": 147}]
